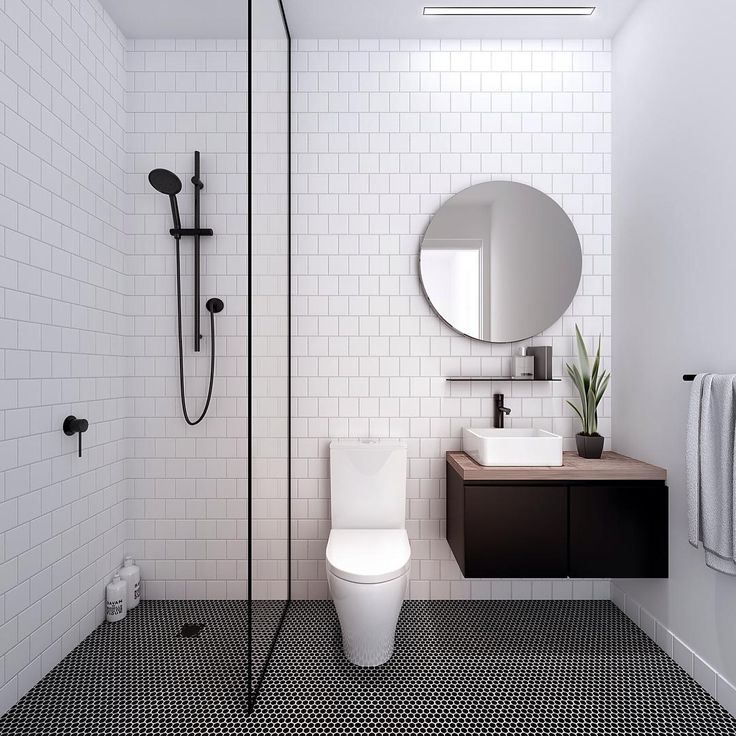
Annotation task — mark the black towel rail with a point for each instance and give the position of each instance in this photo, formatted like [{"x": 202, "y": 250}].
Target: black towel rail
[{"x": 689, "y": 377}]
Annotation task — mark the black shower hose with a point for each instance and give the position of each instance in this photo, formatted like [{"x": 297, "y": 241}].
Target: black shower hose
[{"x": 181, "y": 350}]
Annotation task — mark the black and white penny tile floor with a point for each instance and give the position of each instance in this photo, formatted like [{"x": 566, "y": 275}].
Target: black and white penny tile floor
[{"x": 460, "y": 667}]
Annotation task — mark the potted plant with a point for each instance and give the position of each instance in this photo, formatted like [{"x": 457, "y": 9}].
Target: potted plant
[{"x": 591, "y": 384}]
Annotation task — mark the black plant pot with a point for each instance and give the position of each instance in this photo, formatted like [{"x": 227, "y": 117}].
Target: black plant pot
[{"x": 589, "y": 445}]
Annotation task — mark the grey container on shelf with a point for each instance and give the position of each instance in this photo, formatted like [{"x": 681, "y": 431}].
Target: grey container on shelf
[{"x": 542, "y": 361}]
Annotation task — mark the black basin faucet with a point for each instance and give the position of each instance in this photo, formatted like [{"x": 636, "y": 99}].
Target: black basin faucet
[{"x": 499, "y": 411}]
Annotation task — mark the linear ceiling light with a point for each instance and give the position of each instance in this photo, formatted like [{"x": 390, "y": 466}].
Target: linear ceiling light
[{"x": 497, "y": 10}]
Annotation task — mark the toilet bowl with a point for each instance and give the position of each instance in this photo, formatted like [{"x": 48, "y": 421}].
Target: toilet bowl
[
  {"x": 368, "y": 553},
  {"x": 368, "y": 575}
]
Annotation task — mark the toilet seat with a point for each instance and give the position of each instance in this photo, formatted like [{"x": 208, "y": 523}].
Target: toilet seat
[{"x": 368, "y": 555}]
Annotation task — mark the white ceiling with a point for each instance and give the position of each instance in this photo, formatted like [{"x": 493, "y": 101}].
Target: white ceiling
[
  {"x": 404, "y": 19},
  {"x": 180, "y": 18},
  {"x": 362, "y": 19}
]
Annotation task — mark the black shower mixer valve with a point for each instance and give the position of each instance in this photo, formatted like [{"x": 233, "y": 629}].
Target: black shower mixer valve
[{"x": 73, "y": 426}]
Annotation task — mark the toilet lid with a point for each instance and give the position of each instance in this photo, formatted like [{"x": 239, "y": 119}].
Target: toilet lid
[{"x": 368, "y": 555}]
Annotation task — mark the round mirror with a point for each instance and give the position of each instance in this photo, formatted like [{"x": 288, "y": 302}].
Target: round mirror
[{"x": 500, "y": 261}]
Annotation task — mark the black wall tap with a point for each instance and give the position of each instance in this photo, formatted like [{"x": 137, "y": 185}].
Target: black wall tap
[
  {"x": 500, "y": 411},
  {"x": 73, "y": 426}
]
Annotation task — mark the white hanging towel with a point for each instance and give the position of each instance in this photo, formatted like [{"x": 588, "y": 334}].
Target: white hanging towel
[{"x": 709, "y": 459}]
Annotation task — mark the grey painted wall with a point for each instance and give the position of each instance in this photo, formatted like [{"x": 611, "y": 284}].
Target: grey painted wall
[{"x": 674, "y": 273}]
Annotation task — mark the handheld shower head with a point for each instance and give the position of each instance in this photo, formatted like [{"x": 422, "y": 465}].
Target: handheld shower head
[{"x": 167, "y": 182}]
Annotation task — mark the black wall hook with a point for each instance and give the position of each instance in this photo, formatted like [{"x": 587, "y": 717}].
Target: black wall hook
[{"x": 73, "y": 426}]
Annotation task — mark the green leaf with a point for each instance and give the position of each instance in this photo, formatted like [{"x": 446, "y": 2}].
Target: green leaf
[
  {"x": 602, "y": 389},
  {"x": 591, "y": 416},
  {"x": 596, "y": 365},
  {"x": 578, "y": 381},
  {"x": 583, "y": 356},
  {"x": 577, "y": 411}
]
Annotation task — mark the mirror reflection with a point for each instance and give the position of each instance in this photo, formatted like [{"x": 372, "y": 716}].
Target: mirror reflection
[{"x": 500, "y": 261}]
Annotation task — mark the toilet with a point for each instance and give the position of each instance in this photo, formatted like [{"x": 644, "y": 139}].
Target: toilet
[{"x": 368, "y": 551}]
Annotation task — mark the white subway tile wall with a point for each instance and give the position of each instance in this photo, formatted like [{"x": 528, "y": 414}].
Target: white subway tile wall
[
  {"x": 384, "y": 133},
  {"x": 63, "y": 296},
  {"x": 187, "y": 506},
  {"x": 270, "y": 304}
]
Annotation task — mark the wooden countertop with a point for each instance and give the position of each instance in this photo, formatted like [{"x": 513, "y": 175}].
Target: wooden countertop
[{"x": 611, "y": 466}]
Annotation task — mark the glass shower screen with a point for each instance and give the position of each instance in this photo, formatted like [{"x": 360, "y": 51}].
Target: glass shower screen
[{"x": 269, "y": 346}]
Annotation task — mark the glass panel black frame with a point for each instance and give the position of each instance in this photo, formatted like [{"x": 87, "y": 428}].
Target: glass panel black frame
[{"x": 258, "y": 666}]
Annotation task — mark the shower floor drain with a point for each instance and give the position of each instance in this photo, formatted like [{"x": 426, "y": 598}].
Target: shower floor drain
[{"x": 191, "y": 631}]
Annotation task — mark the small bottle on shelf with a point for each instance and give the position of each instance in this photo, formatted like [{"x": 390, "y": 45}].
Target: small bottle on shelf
[{"x": 523, "y": 366}]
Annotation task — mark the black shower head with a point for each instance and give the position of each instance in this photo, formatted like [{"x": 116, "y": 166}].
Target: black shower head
[{"x": 165, "y": 181}]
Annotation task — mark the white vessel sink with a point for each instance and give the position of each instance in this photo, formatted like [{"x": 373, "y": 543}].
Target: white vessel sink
[{"x": 526, "y": 447}]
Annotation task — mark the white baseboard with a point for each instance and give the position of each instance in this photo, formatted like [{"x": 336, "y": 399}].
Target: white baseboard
[{"x": 705, "y": 675}]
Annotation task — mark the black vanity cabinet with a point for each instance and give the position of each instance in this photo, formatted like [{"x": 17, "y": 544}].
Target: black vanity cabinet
[
  {"x": 618, "y": 530},
  {"x": 582, "y": 521}
]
